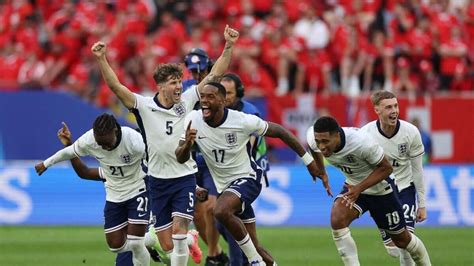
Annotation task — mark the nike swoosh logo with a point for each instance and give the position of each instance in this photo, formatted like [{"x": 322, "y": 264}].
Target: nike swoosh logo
[
  {"x": 201, "y": 137},
  {"x": 141, "y": 214},
  {"x": 154, "y": 110},
  {"x": 189, "y": 210},
  {"x": 99, "y": 158}
]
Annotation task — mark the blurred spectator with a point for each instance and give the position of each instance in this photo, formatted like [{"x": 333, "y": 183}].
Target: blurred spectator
[
  {"x": 405, "y": 81},
  {"x": 425, "y": 139},
  {"x": 429, "y": 80},
  {"x": 453, "y": 52}
]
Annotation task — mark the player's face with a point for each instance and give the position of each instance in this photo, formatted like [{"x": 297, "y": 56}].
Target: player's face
[
  {"x": 231, "y": 93},
  {"x": 327, "y": 142},
  {"x": 108, "y": 141},
  {"x": 172, "y": 90},
  {"x": 388, "y": 111},
  {"x": 211, "y": 103}
]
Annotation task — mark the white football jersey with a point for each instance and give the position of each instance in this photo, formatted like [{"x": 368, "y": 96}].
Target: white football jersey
[
  {"x": 358, "y": 157},
  {"x": 162, "y": 129},
  {"x": 226, "y": 148},
  {"x": 120, "y": 167},
  {"x": 404, "y": 145}
]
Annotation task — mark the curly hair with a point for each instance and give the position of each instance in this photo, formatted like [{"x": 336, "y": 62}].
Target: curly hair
[
  {"x": 164, "y": 72},
  {"x": 104, "y": 124}
]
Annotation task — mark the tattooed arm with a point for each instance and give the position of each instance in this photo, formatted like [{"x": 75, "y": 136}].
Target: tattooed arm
[{"x": 223, "y": 62}]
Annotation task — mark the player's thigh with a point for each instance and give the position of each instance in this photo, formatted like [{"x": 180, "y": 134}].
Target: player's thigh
[
  {"x": 386, "y": 211},
  {"x": 401, "y": 239},
  {"x": 227, "y": 203},
  {"x": 342, "y": 215},
  {"x": 247, "y": 190},
  {"x": 115, "y": 223}
]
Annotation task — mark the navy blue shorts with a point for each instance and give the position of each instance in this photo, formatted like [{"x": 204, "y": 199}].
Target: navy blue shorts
[
  {"x": 385, "y": 210},
  {"x": 172, "y": 197},
  {"x": 203, "y": 176},
  {"x": 117, "y": 215},
  {"x": 247, "y": 189}
]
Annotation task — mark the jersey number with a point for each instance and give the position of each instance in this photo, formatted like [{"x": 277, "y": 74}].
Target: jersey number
[
  {"x": 409, "y": 211},
  {"x": 169, "y": 127},
  {"x": 116, "y": 170},
  {"x": 217, "y": 154},
  {"x": 392, "y": 218},
  {"x": 395, "y": 163},
  {"x": 142, "y": 204},
  {"x": 191, "y": 199},
  {"x": 345, "y": 169}
]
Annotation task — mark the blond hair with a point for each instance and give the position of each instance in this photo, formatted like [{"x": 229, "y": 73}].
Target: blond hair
[{"x": 380, "y": 95}]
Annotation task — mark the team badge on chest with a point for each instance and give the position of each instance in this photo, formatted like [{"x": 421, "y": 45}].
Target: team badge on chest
[
  {"x": 402, "y": 149},
  {"x": 126, "y": 158},
  {"x": 231, "y": 138},
  {"x": 350, "y": 159},
  {"x": 179, "y": 109}
]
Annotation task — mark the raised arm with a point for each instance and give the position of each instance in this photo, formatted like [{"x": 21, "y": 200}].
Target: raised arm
[
  {"x": 183, "y": 152},
  {"x": 277, "y": 131},
  {"x": 223, "y": 62},
  {"x": 122, "y": 92}
]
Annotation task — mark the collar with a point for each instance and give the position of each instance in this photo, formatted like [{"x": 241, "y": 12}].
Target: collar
[
  {"x": 155, "y": 99},
  {"x": 226, "y": 112},
  {"x": 397, "y": 128}
]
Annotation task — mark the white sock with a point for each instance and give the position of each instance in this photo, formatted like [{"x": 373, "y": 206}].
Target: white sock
[
  {"x": 189, "y": 239},
  {"x": 140, "y": 255},
  {"x": 180, "y": 254},
  {"x": 393, "y": 251},
  {"x": 405, "y": 258},
  {"x": 249, "y": 249},
  {"x": 418, "y": 252},
  {"x": 124, "y": 248},
  {"x": 150, "y": 239},
  {"x": 346, "y": 246}
]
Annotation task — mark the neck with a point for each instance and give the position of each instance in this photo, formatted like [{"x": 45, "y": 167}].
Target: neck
[
  {"x": 217, "y": 118},
  {"x": 387, "y": 129},
  {"x": 167, "y": 103}
]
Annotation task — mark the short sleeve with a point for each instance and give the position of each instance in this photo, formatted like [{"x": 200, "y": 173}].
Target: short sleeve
[
  {"x": 254, "y": 124},
  {"x": 416, "y": 146},
  {"x": 372, "y": 152},
  {"x": 137, "y": 142},
  {"x": 139, "y": 101},
  {"x": 310, "y": 139}
]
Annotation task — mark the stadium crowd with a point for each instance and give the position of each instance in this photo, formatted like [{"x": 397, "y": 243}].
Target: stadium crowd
[{"x": 412, "y": 46}]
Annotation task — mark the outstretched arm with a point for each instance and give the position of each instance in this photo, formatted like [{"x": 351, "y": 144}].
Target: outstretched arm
[
  {"x": 223, "y": 62},
  {"x": 277, "y": 131},
  {"x": 183, "y": 152},
  {"x": 122, "y": 92}
]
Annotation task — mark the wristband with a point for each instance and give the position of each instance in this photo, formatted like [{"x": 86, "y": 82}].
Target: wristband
[{"x": 307, "y": 158}]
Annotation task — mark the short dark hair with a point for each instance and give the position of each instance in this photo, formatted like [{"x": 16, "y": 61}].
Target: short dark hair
[
  {"x": 326, "y": 124},
  {"x": 163, "y": 72},
  {"x": 104, "y": 124},
  {"x": 220, "y": 88},
  {"x": 380, "y": 95}
]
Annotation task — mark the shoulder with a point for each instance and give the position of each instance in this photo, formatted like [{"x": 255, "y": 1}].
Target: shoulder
[
  {"x": 369, "y": 126},
  {"x": 129, "y": 132},
  {"x": 408, "y": 127}
]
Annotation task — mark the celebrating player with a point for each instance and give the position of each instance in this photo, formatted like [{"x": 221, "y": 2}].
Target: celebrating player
[
  {"x": 367, "y": 188},
  {"x": 119, "y": 151},
  {"x": 401, "y": 142}
]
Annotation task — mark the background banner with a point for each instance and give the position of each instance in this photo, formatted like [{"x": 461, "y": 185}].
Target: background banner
[{"x": 59, "y": 197}]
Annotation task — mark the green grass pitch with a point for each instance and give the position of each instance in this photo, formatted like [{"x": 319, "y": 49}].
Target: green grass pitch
[{"x": 290, "y": 246}]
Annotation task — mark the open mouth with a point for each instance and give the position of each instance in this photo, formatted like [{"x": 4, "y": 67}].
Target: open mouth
[
  {"x": 206, "y": 112},
  {"x": 393, "y": 118}
]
